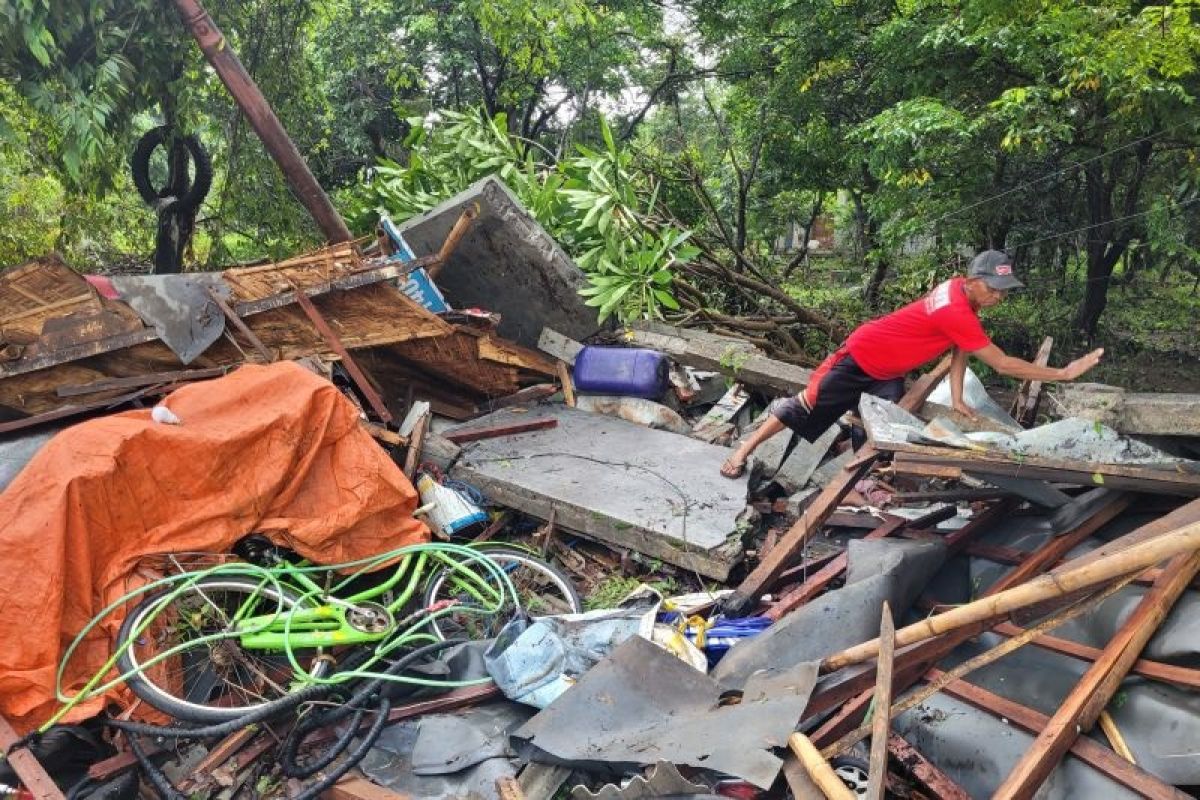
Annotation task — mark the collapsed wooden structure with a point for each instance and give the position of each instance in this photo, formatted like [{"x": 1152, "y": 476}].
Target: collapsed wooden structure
[{"x": 64, "y": 346}]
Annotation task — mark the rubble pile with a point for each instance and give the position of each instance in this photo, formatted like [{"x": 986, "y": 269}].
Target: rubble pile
[{"x": 397, "y": 518}]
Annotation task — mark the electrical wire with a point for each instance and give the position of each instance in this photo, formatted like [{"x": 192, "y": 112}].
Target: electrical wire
[{"x": 458, "y": 555}]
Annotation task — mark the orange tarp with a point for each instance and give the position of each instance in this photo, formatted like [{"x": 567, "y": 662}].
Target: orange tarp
[{"x": 274, "y": 449}]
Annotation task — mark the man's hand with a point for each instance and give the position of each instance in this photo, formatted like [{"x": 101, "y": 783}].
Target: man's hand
[
  {"x": 1082, "y": 364},
  {"x": 964, "y": 409}
]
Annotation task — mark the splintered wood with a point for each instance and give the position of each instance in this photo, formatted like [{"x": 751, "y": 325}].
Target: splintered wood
[{"x": 56, "y": 330}]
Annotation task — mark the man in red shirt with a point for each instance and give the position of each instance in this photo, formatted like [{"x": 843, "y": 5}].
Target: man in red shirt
[{"x": 876, "y": 356}]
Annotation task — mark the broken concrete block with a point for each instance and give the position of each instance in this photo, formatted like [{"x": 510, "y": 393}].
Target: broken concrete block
[
  {"x": 830, "y": 468},
  {"x": 802, "y": 462},
  {"x": 1147, "y": 413},
  {"x": 654, "y": 492},
  {"x": 506, "y": 263}
]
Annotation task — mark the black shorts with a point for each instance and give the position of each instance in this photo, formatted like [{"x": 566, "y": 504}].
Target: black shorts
[{"x": 837, "y": 385}]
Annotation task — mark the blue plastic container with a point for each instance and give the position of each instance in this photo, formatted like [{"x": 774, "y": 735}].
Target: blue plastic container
[{"x": 626, "y": 371}]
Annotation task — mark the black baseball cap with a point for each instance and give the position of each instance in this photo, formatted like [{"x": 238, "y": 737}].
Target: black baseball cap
[{"x": 995, "y": 267}]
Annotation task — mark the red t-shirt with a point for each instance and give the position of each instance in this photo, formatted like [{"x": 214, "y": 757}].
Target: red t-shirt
[{"x": 892, "y": 345}]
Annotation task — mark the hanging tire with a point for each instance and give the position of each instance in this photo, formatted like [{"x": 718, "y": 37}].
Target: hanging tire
[
  {"x": 193, "y": 192},
  {"x": 213, "y": 681}
]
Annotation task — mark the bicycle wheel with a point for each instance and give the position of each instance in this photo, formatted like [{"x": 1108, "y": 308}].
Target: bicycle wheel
[
  {"x": 542, "y": 590},
  {"x": 208, "y": 681}
]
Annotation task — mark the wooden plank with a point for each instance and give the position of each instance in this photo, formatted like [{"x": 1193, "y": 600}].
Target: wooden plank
[
  {"x": 530, "y": 394},
  {"x": 412, "y": 458},
  {"x": 1159, "y": 481},
  {"x": 1025, "y": 404},
  {"x": 335, "y": 343},
  {"x": 32, "y": 774},
  {"x": 1078, "y": 712},
  {"x": 356, "y": 787},
  {"x": 748, "y": 593},
  {"x": 240, "y": 324},
  {"x": 493, "y": 431},
  {"x": 568, "y": 386},
  {"x": 1115, "y": 739},
  {"x": 113, "y": 384},
  {"x": 1060, "y": 584},
  {"x": 1090, "y": 752},
  {"x": 1154, "y": 670},
  {"x": 513, "y": 355},
  {"x": 923, "y": 771},
  {"x": 461, "y": 225},
  {"x": 1054, "y": 550},
  {"x": 71, "y": 411},
  {"x": 224, "y": 750},
  {"x": 390, "y": 438},
  {"x": 820, "y": 580},
  {"x": 881, "y": 722},
  {"x": 949, "y": 496}
]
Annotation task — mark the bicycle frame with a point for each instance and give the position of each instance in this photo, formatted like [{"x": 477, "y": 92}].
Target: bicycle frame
[{"x": 328, "y": 624}]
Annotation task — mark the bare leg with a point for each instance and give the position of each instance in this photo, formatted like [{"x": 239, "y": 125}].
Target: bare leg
[{"x": 734, "y": 465}]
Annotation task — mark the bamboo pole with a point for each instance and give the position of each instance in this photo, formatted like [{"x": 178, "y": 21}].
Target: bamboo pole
[
  {"x": 1078, "y": 712},
  {"x": 931, "y": 688},
  {"x": 1064, "y": 581},
  {"x": 881, "y": 722},
  {"x": 818, "y": 768},
  {"x": 1113, "y": 734}
]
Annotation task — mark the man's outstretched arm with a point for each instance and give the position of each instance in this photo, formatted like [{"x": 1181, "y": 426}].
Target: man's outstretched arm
[{"x": 1015, "y": 367}]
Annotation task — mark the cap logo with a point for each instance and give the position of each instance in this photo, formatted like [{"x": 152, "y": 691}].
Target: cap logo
[{"x": 1004, "y": 269}]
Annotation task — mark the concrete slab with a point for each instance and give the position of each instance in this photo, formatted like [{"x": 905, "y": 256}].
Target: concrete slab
[
  {"x": 802, "y": 462},
  {"x": 505, "y": 263},
  {"x": 655, "y": 492}
]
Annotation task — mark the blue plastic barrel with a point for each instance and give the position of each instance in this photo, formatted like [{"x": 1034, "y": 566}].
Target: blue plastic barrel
[{"x": 627, "y": 371}]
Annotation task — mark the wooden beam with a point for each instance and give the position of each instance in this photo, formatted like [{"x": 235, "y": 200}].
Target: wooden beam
[
  {"x": 923, "y": 771},
  {"x": 817, "y": 582},
  {"x": 494, "y": 431},
  {"x": 1154, "y": 670},
  {"x": 1087, "y": 750},
  {"x": 1045, "y": 587},
  {"x": 1112, "y": 476},
  {"x": 913, "y": 661},
  {"x": 881, "y": 722},
  {"x": 748, "y": 593},
  {"x": 1054, "y": 550},
  {"x": 450, "y": 243},
  {"x": 1078, "y": 712},
  {"x": 240, "y": 324},
  {"x": 568, "y": 386},
  {"x": 136, "y": 381},
  {"x": 356, "y": 787},
  {"x": 32, "y": 774},
  {"x": 335, "y": 344},
  {"x": 416, "y": 440},
  {"x": 965, "y": 668},
  {"x": 1025, "y": 404}
]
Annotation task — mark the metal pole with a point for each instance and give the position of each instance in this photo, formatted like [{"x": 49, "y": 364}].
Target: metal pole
[{"x": 262, "y": 118}]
